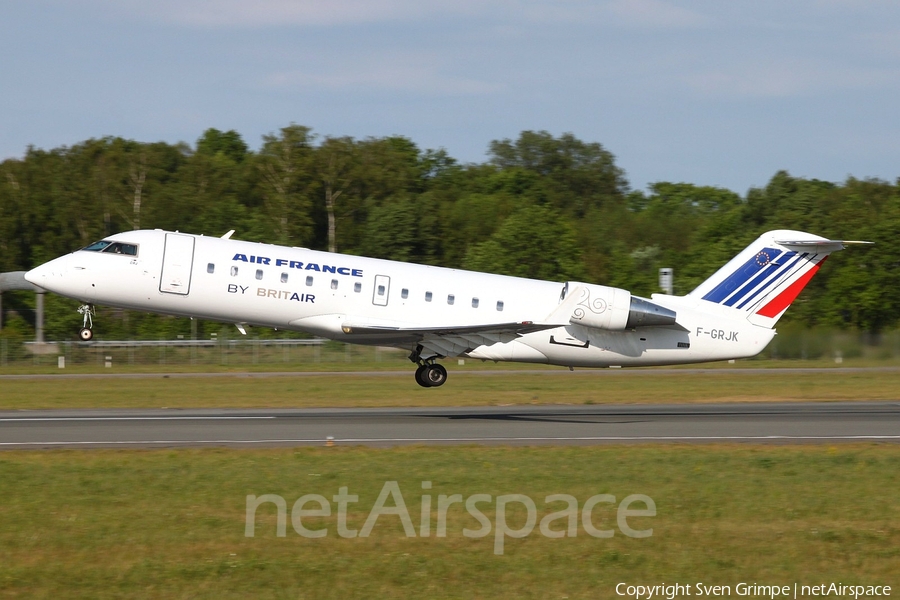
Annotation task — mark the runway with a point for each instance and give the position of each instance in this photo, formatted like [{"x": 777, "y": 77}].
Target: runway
[
  {"x": 827, "y": 422},
  {"x": 632, "y": 372}
]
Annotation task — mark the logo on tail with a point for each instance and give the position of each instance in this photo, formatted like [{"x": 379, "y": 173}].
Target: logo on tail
[{"x": 764, "y": 279}]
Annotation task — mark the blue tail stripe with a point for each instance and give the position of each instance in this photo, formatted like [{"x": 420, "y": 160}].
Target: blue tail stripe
[
  {"x": 741, "y": 276},
  {"x": 749, "y": 286},
  {"x": 789, "y": 267},
  {"x": 777, "y": 264}
]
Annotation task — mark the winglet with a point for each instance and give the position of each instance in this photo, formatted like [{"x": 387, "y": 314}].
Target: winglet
[{"x": 228, "y": 235}]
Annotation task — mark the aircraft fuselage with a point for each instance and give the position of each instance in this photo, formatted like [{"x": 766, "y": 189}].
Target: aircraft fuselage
[{"x": 320, "y": 293}]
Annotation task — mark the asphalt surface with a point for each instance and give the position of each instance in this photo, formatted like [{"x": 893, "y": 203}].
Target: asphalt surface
[
  {"x": 828, "y": 422},
  {"x": 635, "y": 372}
]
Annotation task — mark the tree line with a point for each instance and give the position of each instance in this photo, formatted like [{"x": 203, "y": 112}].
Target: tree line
[{"x": 540, "y": 206}]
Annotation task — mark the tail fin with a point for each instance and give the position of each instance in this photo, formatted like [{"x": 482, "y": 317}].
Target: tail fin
[{"x": 768, "y": 275}]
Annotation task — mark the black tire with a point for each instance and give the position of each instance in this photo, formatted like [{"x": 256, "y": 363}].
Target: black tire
[
  {"x": 420, "y": 376},
  {"x": 435, "y": 375},
  {"x": 85, "y": 334}
]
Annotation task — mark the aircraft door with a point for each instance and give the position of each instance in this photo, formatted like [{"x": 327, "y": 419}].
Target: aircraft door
[
  {"x": 382, "y": 289},
  {"x": 178, "y": 258}
]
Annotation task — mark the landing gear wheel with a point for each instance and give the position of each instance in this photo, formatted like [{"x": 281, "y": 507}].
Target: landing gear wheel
[
  {"x": 435, "y": 375},
  {"x": 86, "y": 334},
  {"x": 420, "y": 376},
  {"x": 429, "y": 373}
]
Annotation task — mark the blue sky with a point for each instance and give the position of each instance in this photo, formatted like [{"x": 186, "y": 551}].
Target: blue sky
[{"x": 708, "y": 92}]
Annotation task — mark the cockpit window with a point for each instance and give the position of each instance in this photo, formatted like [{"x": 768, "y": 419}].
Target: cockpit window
[
  {"x": 97, "y": 246},
  {"x": 112, "y": 248},
  {"x": 120, "y": 248}
]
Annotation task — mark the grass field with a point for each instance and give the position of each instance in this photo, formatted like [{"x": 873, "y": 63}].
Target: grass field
[
  {"x": 462, "y": 389},
  {"x": 171, "y": 524},
  {"x": 336, "y": 358}
]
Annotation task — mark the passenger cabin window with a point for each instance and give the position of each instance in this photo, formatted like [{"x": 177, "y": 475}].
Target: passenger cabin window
[
  {"x": 357, "y": 287},
  {"x": 234, "y": 271},
  {"x": 404, "y": 293},
  {"x": 427, "y": 296},
  {"x": 474, "y": 302},
  {"x": 381, "y": 290},
  {"x": 334, "y": 283},
  {"x": 259, "y": 274},
  {"x": 284, "y": 277},
  {"x": 309, "y": 280},
  {"x": 451, "y": 298},
  {"x": 500, "y": 305},
  {"x": 210, "y": 268}
]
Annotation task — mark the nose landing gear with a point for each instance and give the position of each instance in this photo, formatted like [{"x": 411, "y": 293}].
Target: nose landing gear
[
  {"x": 86, "y": 333},
  {"x": 429, "y": 373}
]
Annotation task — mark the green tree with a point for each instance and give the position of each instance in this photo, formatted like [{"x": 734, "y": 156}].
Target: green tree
[
  {"x": 337, "y": 165},
  {"x": 541, "y": 206},
  {"x": 573, "y": 176},
  {"x": 287, "y": 166},
  {"x": 535, "y": 242},
  {"x": 228, "y": 144}
]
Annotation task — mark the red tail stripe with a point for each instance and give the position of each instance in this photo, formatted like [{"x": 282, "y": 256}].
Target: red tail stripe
[{"x": 784, "y": 299}]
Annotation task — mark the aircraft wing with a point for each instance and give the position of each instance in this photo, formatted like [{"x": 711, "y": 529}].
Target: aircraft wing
[{"x": 447, "y": 341}]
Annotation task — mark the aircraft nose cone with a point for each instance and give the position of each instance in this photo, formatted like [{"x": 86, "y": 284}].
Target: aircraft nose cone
[
  {"x": 39, "y": 275},
  {"x": 46, "y": 274},
  {"x": 35, "y": 275}
]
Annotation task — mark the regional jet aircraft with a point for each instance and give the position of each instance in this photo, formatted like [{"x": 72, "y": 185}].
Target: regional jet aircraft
[{"x": 436, "y": 312}]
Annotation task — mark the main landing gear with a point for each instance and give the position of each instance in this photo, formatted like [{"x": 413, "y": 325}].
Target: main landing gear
[
  {"x": 429, "y": 373},
  {"x": 86, "y": 333},
  {"x": 432, "y": 375}
]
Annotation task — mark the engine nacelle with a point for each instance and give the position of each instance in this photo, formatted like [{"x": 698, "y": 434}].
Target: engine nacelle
[
  {"x": 613, "y": 309},
  {"x": 599, "y": 306}
]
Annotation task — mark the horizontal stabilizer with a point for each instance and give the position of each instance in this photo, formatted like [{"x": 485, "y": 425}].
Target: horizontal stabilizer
[{"x": 820, "y": 244}]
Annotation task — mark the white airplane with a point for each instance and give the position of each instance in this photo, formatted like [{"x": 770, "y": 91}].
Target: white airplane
[{"x": 437, "y": 312}]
